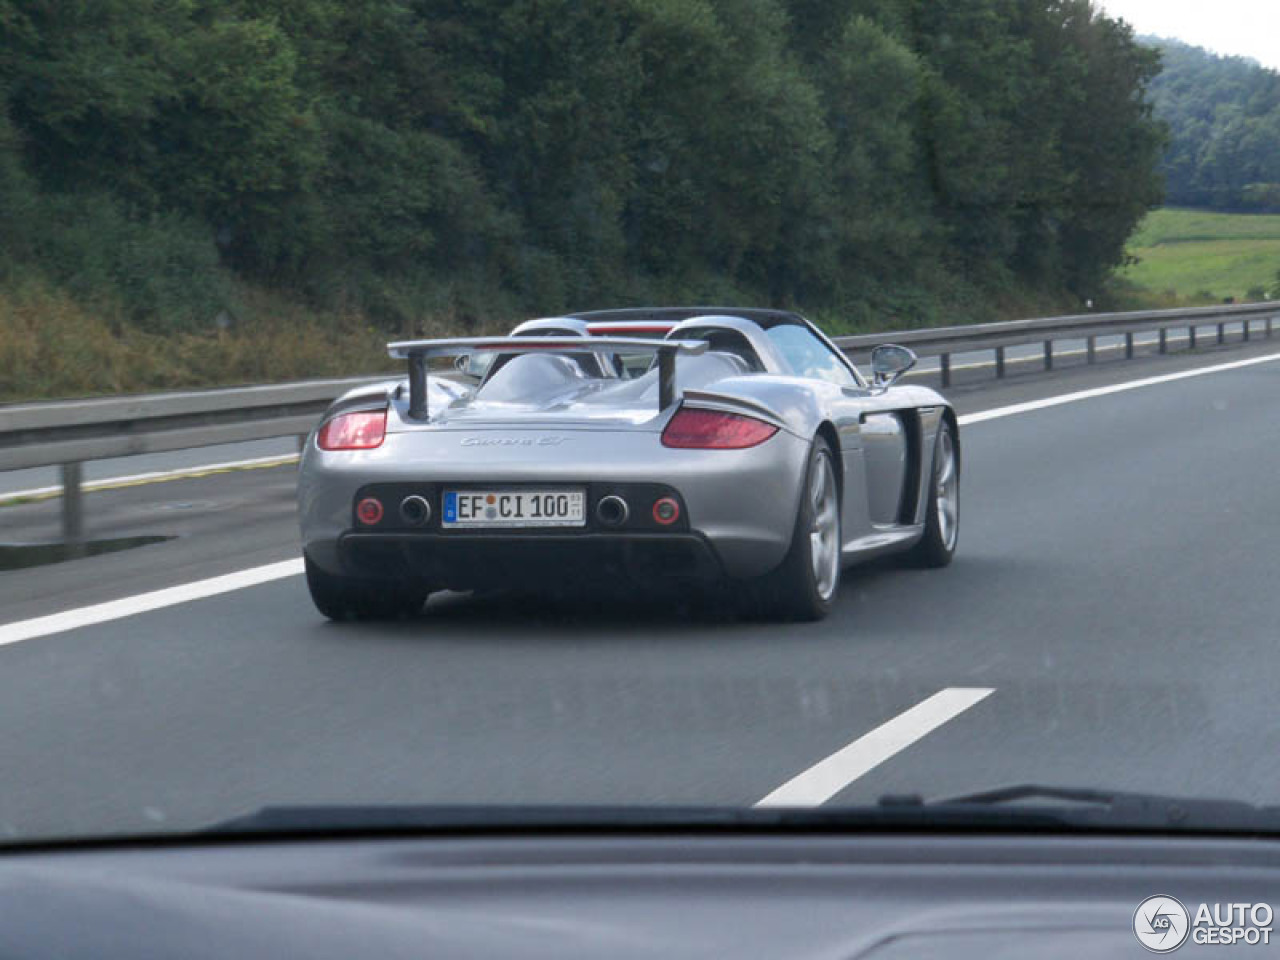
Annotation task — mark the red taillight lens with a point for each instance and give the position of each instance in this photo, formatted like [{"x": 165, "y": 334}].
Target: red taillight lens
[
  {"x": 713, "y": 430},
  {"x": 359, "y": 430}
]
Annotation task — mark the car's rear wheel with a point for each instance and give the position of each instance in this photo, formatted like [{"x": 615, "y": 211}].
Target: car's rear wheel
[
  {"x": 351, "y": 598},
  {"x": 942, "y": 517},
  {"x": 805, "y": 584}
]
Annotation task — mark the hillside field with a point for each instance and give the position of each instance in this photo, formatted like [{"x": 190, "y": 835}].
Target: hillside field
[{"x": 1194, "y": 252}]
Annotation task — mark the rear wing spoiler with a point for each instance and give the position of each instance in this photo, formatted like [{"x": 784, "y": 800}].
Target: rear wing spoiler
[{"x": 418, "y": 352}]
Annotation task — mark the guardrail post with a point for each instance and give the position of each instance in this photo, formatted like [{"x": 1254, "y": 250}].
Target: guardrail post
[
  {"x": 999, "y": 363},
  {"x": 1268, "y": 326},
  {"x": 72, "y": 509},
  {"x": 1222, "y": 334},
  {"x": 945, "y": 362},
  {"x": 1128, "y": 346},
  {"x": 1246, "y": 329},
  {"x": 1191, "y": 336},
  {"x": 1091, "y": 347},
  {"x": 1164, "y": 340},
  {"x": 1048, "y": 354}
]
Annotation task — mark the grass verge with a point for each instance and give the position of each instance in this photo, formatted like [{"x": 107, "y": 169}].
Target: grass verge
[
  {"x": 54, "y": 345},
  {"x": 1198, "y": 256}
]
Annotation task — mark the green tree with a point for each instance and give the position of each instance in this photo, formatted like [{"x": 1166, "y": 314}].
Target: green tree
[
  {"x": 412, "y": 157},
  {"x": 1224, "y": 119},
  {"x": 1111, "y": 144}
]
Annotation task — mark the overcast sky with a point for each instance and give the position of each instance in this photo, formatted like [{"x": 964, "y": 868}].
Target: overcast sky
[{"x": 1242, "y": 28}]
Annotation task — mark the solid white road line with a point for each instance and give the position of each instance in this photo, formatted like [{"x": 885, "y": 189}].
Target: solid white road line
[
  {"x": 143, "y": 602},
  {"x": 1029, "y": 406},
  {"x": 828, "y": 777},
  {"x": 155, "y": 476},
  {"x": 128, "y": 606}
]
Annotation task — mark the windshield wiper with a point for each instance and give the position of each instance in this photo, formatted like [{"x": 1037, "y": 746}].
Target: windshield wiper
[
  {"x": 1023, "y": 807},
  {"x": 1108, "y": 809},
  {"x": 479, "y": 818}
]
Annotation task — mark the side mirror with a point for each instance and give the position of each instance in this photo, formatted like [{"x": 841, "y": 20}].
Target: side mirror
[{"x": 889, "y": 362}]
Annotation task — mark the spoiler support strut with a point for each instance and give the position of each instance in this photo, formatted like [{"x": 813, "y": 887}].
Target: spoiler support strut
[
  {"x": 417, "y": 387},
  {"x": 666, "y": 378}
]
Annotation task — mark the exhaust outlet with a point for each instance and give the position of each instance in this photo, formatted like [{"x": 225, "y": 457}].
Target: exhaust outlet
[
  {"x": 612, "y": 511},
  {"x": 415, "y": 511}
]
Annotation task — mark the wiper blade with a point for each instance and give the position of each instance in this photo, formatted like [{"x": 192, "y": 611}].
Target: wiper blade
[
  {"x": 429, "y": 819},
  {"x": 1022, "y": 807},
  {"x": 1086, "y": 807},
  {"x": 1033, "y": 791}
]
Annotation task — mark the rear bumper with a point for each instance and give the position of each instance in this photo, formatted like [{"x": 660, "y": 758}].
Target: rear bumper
[
  {"x": 740, "y": 505},
  {"x": 470, "y": 561}
]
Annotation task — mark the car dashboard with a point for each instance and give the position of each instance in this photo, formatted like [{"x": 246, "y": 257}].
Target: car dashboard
[{"x": 566, "y": 896}]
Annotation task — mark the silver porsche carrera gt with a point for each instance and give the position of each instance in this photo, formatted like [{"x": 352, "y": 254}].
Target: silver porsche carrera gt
[{"x": 654, "y": 444}]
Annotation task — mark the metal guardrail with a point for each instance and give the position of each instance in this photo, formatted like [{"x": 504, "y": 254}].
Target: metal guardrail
[
  {"x": 942, "y": 342},
  {"x": 62, "y": 431},
  {"x": 68, "y": 433}
]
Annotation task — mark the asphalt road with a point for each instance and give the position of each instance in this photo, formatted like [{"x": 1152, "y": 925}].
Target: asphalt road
[{"x": 1115, "y": 588}]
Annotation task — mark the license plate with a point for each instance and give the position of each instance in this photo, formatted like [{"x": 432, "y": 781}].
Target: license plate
[{"x": 514, "y": 508}]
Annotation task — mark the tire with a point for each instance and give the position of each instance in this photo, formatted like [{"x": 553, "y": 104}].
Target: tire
[
  {"x": 349, "y": 598},
  {"x": 805, "y": 584},
  {"x": 942, "y": 517}
]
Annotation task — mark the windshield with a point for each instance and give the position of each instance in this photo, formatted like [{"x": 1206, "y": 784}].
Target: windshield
[{"x": 739, "y": 559}]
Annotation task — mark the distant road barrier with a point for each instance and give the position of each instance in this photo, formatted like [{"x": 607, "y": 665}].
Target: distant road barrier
[
  {"x": 942, "y": 342},
  {"x": 66, "y": 433}
]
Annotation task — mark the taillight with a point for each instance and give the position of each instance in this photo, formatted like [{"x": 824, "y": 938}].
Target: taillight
[
  {"x": 712, "y": 429},
  {"x": 358, "y": 430}
]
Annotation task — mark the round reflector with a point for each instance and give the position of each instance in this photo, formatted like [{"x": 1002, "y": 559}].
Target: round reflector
[
  {"x": 369, "y": 511},
  {"x": 666, "y": 511}
]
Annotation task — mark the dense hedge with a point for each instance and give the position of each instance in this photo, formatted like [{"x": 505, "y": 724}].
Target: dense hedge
[{"x": 412, "y": 158}]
